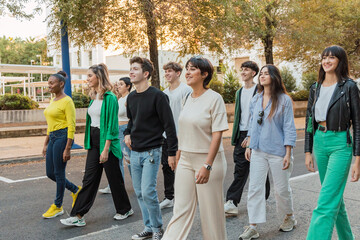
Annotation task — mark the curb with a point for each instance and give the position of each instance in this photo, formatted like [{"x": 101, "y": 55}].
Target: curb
[{"x": 7, "y": 161}]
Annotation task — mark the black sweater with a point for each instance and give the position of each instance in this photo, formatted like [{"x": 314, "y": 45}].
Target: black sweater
[{"x": 149, "y": 116}]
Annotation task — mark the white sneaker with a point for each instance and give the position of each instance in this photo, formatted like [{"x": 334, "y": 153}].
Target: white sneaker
[
  {"x": 288, "y": 224},
  {"x": 119, "y": 216},
  {"x": 166, "y": 203},
  {"x": 230, "y": 208},
  {"x": 105, "y": 190},
  {"x": 73, "y": 221},
  {"x": 249, "y": 234}
]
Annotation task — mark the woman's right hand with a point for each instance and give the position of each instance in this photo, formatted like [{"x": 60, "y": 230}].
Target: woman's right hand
[
  {"x": 44, "y": 151},
  {"x": 309, "y": 162},
  {"x": 127, "y": 141},
  {"x": 248, "y": 154}
]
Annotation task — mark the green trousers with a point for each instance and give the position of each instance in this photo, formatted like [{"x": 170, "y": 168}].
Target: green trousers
[{"x": 333, "y": 157}]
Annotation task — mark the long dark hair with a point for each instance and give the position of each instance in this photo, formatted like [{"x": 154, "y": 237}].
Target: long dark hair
[
  {"x": 342, "y": 70},
  {"x": 277, "y": 86}
]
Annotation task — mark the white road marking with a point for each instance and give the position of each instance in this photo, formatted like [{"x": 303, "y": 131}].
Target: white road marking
[
  {"x": 95, "y": 233},
  {"x": 8, "y": 180},
  {"x": 300, "y": 140},
  {"x": 304, "y": 176}
]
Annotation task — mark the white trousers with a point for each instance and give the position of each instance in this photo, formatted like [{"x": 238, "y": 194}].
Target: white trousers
[{"x": 259, "y": 166}]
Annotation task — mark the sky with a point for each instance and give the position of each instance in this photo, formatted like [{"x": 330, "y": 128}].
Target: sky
[{"x": 11, "y": 27}]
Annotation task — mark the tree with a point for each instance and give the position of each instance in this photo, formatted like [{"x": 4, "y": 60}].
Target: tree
[
  {"x": 141, "y": 26},
  {"x": 216, "y": 85},
  {"x": 18, "y": 51},
  {"x": 308, "y": 79},
  {"x": 16, "y": 8},
  {"x": 251, "y": 21},
  {"x": 288, "y": 79},
  {"x": 231, "y": 85},
  {"x": 317, "y": 24}
]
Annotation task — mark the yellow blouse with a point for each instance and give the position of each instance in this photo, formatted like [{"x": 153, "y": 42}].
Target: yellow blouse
[{"x": 61, "y": 114}]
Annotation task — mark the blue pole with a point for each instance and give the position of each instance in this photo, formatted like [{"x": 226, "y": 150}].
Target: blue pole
[
  {"x": 66, "y": 66},
  {"x": 65, "y": 57}
]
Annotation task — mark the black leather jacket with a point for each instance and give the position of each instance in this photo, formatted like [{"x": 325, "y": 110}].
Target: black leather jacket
[{"x": 343, "y": 110}]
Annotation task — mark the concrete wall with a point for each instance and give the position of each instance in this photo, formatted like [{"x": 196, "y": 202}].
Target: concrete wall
[
  {"x": 32, "y": 116},
  {"x": 25, "y": 117}
]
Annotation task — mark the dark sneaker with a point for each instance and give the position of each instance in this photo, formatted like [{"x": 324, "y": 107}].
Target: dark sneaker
[
  {"x": 158, "y": 235},
  {"x": 142, "y": 235}
]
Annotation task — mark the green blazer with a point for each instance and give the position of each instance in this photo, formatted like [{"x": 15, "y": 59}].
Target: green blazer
[
  {"x": 109, "y": 125},
  {"x": 236, "y": 131}
]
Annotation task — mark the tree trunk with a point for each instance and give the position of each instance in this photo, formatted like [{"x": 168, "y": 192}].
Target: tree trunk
[
  {"x": 268, "y": 49},
  {"x": 268, "y": 39},
  {"x": 148, "y": 9}
]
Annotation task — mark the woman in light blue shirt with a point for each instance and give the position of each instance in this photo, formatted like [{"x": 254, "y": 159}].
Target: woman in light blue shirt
[{"x": 271, "y": 136}]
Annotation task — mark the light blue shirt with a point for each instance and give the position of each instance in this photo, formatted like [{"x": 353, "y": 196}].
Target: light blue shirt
[{"x": 273, "y": 134}]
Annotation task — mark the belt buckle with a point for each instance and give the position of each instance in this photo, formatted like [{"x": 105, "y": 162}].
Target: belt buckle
[{"x": 322, "y": 128}]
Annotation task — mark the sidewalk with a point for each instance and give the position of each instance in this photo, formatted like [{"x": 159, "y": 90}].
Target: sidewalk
[{"x": 23, "y": 149}]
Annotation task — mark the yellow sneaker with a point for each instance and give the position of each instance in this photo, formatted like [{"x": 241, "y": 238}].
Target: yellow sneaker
[
  {"x": 74, "y": 196},
  {"x": 53, "y": 211}
]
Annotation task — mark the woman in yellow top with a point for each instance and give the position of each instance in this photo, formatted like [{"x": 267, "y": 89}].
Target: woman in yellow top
[{"x": 60, "y": 117}]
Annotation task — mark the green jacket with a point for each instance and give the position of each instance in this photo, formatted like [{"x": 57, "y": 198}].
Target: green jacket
[
  {"x": 236, "y": 131},
  {"x": 109, "y": 125}
]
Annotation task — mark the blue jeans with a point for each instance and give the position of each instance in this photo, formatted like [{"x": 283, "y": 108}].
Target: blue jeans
[
  {"x": 55, "y": 166},
  {"x": 144, "y": 170}
]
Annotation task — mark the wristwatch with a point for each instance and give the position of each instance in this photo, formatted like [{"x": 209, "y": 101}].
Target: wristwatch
[{"x": 208, "y": 166}]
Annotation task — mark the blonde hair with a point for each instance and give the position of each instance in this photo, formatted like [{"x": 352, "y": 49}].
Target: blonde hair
[{"x": 102, "y": 74}]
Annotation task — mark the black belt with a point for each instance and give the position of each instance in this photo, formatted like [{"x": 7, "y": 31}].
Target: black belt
[{"x": 322, "y": 128}]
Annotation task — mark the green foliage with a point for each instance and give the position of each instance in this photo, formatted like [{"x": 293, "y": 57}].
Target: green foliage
[
  {"x": 288, "y": 79},
  {"x": 308, "y": 79},
  {"x": 216, "y": 85},
  {"x": 16, "y": 101},
  {"x": 301, "y": 95},
  {"x": 231, "y": 85},
  {"x": 18, "y": 51},
  {"x": 80, "y": 100},
  {"x": 16, "y": 8}
]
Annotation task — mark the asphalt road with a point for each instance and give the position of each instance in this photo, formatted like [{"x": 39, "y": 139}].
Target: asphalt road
[{"x": 23, "y": 202}]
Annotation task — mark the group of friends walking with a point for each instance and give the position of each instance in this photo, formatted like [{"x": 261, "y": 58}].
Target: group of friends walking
[{"x": 181, "y": 128}]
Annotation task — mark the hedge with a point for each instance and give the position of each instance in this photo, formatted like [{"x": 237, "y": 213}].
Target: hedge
[{"x": 16, "y": 102}]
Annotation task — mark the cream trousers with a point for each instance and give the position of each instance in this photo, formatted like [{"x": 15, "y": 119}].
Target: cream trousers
[{"x": 188, "y": 194}]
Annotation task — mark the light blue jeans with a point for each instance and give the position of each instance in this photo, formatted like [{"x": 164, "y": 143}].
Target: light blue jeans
[{"x": 144, "y": 170}]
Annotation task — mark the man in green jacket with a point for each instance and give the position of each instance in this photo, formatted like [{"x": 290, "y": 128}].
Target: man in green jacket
[{"x": 243, "y": 96}]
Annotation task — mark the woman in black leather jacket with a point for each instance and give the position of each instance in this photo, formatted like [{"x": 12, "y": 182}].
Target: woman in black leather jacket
[{"x": 333, "y": 107}]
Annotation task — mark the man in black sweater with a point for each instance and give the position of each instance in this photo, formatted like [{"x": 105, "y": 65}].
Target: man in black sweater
[{"x": 149, "y": 116}]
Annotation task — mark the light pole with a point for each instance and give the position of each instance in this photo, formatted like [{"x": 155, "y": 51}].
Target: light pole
[
  {"x": 41, "y": 79},
  {"x": 29, "y": 80}
]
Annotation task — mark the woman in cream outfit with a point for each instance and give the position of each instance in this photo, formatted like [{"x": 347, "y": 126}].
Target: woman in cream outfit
[{"x": 202, "y": 165}]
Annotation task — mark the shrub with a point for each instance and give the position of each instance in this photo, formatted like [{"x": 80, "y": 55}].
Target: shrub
[
  {"x": 288, "y": 79},
  {"x": 231, "y": 85},
  {"x": 16, "y": 102},
  {"x": 80, "y": 100},
  {"x": 301, "y": 95},
  {"x": 216, "y": 85},
  {"x": 308, "y": 79}
]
